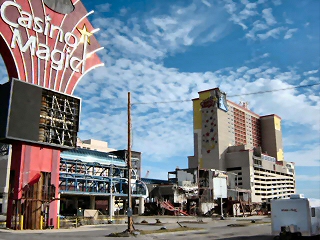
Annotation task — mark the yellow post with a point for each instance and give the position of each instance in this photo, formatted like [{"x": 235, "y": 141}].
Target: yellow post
[
  {"x": 76, "y": 222},
  {"x": 21, "y": 222},
  {"x": 58, "y": 222},
  {"x": 41, "y": 222}
]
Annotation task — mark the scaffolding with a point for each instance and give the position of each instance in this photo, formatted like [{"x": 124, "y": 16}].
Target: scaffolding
[
  {"x": 79, "y": 177},
  {"x": 59, "y": 119}
]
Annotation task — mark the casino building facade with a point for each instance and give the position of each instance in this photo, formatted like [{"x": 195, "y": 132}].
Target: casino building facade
[{"x": 89, "y": 179}]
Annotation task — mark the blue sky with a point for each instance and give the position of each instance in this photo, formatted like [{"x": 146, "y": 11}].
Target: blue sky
[{"x": 170, "y": 50}]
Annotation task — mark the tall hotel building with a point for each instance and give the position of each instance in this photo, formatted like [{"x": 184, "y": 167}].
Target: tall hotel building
[{"x": 230, "y": 137}]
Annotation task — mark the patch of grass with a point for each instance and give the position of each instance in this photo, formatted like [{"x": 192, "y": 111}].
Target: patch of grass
[{"x": 179, "y": 229}]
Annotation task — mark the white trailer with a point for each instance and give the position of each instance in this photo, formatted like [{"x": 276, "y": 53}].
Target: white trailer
[{"x": 294, "y": 217}]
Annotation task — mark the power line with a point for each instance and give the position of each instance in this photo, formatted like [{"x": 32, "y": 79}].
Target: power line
[
  {"x": 275, "y": 90},
  {"x": 174, "y": 101},
  {"x": 243, "y": 94}
]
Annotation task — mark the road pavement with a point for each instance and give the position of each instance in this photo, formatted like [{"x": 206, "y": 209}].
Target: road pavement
[{"x": 229, "y": 229}]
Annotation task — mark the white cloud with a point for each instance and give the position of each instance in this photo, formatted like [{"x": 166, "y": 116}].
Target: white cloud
[
  {"x": 257, "y": 27},
  {"x": 287, "y": 19},
  {"x": 230, "y": 6},
  {"x": 153, "y": 35},
  {"x": 162, "y": 130},
  {"x": 299, "y": 136},
  {"x": 309, "y": 156},
  {"x": 246, "y": 13},
  {"x": 238, "y": 14},
  {"x": 273, "y": 33},
  {"x": 267, "y": 15},
  {"x": 311, "y": 72},
  {"x": 129, "y": 42},
  {"x": 276, "y": 2},
  {"x": 164, "y": 22},
  {"x": 242, "y": 69},
  {"x": 192, "y": 24},
  {"x": 103, "y": 8},
  {"x": 251, "y": 5},
  {"x": 123, "y": 11},
  {"x": 257, "y": 58},
  {"x": 206, "y": 3},
  {"x": 289, "y": 33}
]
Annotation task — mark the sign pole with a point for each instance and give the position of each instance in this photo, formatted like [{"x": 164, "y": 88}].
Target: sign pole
[{"x": 129, "y": 211}]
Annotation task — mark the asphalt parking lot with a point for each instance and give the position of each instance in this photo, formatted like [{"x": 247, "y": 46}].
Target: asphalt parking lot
[{"x": 209, "y": 229}]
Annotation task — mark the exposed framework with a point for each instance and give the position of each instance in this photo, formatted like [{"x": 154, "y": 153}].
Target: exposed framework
[
  {"x": 34, "y": 204},
  {"x": 59, "y": 119},
  {"x": 78, "y": 177},
  {"x": 205, "y": 189}
]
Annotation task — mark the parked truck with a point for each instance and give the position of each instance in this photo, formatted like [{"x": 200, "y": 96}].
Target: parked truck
[{"x": 295, "y": 217}]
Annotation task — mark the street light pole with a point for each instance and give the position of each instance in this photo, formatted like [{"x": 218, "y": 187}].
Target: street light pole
[
  {"x": 129, "y": 210},
  {"x": 237, "y": 188},
  {"x": 221, "y": 203}
]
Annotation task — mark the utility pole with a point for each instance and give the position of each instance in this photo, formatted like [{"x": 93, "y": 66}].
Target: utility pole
[
  {"x": 111, "y": 203},
  {"x": 129, "y": 210}
]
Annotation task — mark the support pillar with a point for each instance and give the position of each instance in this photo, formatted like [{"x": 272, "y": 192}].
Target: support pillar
[
  {"x": 75, "y": 202},
  {"x": 141, "y": 206},
  {"x": 55, "y": 174},
  {"x": 92, "y": 202},
  {"x": 111, "y": 204},
  {"x": 7, "y": 175}
]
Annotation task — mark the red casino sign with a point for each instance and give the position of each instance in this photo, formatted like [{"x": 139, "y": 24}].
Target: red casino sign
[
  {"x": 47, "y": 47},
  {"x": 48, "y": 43}
]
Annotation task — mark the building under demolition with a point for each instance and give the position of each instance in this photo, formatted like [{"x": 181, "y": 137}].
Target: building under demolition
[
  {"x": 238, "y": 160},
  {"x": 229, "y": 137},
  {"x": 197, "y": 191}
]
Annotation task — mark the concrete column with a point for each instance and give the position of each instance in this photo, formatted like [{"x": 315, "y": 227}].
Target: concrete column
[
  {"x": 141, "y": 206},
  {"x": 58, "y": 205},
  {"x": 92, "y": 202},
  {"x": 111, "y": 204},
  {"x": 5, "y": 173}
]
